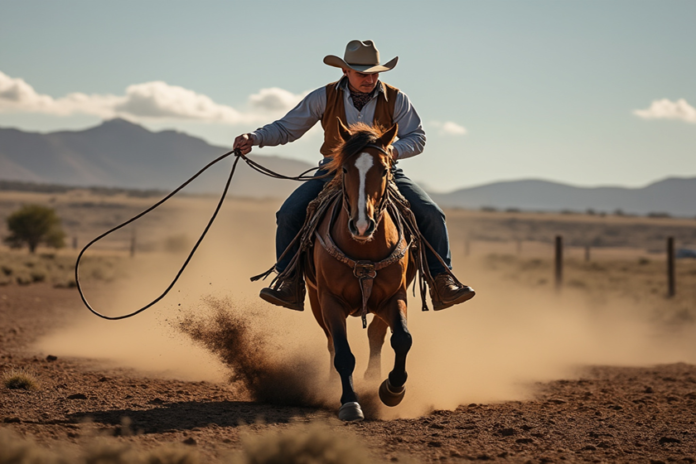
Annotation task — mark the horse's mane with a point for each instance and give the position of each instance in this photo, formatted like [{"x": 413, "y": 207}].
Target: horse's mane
[{"x": 361, "y": 135}]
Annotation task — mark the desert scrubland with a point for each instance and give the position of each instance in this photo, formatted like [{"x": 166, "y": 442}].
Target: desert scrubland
[{"x": 602, "y": 370}]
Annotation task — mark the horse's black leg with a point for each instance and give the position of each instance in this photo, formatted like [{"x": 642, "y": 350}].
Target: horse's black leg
[
  {"x": 316, "y": 311},
  {"x": 376, "y": 332},
  {"x": 392, "y": 390},
  {"x": 344, "y": 361}
]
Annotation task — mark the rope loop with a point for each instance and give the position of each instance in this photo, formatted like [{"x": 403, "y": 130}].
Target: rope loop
[{"x": 303, "y": 177}]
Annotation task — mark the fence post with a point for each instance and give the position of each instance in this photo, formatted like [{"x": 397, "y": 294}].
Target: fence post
[
  {"x": 519, "y": 247},
  {"x": 559, "y": 261},
  {"x": 74, "y": 242},
  {"x": 671, "y": 287},
  {"x": 587, "y": 253}
]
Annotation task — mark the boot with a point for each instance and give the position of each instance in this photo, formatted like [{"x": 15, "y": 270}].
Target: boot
[
  {"x": 290, "y": 293},
  {"x": 447, "y": 292}
]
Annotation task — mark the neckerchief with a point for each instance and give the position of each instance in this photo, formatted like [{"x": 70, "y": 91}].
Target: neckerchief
[{"x": 360, "y": 99}]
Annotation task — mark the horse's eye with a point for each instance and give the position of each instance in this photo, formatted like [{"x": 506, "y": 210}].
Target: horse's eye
[{"x": 345, "y": 170}]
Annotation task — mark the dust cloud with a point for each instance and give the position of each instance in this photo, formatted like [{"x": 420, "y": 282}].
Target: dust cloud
[{"x": 213, "y": 327}]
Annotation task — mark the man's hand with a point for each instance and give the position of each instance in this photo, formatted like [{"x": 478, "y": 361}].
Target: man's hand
[
  {"x": 393, "y": 152},
  {"x": 243, "y": 143}
]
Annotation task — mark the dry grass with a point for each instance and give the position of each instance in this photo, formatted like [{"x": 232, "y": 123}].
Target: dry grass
[
  {"x": 630, "y": 278},
  {"x": 20, "y": 379},
  {"x": 644, "y": 233},
  {"x": 304, "y": 444},
  {"x": 21, "y": 268},
  {"x": 14, "y": 450},
  {"x": 299, "y": 444}
]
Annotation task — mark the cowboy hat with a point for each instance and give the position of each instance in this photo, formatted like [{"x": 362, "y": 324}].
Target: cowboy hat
[{"x": 362, "y": 56}]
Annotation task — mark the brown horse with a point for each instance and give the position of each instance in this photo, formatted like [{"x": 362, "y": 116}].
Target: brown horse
[{"x": 361, "y": 263}]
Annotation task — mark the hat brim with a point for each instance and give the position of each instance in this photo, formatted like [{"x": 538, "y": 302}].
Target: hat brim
[{"x": 337, "y": 62}]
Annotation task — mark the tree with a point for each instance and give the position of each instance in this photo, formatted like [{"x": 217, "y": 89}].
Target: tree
[{"x": 34, "y": 224}]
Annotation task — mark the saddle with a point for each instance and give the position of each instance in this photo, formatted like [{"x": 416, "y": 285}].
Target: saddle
[{"x": 328, "y": 198}]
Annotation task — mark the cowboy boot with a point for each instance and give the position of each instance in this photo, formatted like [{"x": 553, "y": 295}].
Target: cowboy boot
[
  {"x": 289, "y": 293},
  {"x": 446, "y": 292}
]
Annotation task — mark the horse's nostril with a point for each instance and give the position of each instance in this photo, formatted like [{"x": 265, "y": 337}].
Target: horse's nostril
[
  {"x": 371, "y": 228},
  {"x": 351, "y": 227}
]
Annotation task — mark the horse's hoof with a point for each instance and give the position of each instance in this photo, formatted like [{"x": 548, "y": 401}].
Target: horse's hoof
[
  {"x": 351, "y": 412},
  {"x": 391, "y": 396}
]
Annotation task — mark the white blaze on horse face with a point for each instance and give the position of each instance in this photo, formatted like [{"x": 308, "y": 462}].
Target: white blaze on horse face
[{"x": 363, "y": 163}]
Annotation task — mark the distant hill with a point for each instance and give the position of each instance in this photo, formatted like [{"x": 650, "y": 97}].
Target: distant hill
[
  {"x": 121, "y": 154},
  {"x": 675, "y": 196}
]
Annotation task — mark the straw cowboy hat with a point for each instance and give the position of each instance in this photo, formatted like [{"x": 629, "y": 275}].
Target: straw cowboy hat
[{"x": 361, "y": 56}]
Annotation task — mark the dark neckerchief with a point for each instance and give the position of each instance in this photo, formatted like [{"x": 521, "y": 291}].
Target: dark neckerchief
[{"x": 360, "y": 99}]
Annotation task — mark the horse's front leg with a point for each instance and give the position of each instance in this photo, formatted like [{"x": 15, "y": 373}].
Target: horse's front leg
[
  {"x": 392, "y": 390},
  {"x": 376, "y": 332},
  {"x": 316, "y": 311},
  {"x": 344, "y": 361}
]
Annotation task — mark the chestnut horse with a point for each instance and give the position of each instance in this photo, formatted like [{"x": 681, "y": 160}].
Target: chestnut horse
[{"x": 360, "y": 262}]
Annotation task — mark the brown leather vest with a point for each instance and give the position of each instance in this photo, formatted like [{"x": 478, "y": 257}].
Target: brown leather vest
[{"x": 335, "y": 108}]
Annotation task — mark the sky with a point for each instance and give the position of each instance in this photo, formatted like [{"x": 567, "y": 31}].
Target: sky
[{"x": 583, "y": 92}]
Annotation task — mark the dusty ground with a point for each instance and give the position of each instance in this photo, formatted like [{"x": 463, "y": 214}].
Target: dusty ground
[
  {"x": 587, "y": 414},
  {"x": 611, "y": 414}
]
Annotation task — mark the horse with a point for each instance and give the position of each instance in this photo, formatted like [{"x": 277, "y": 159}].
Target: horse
[{"x": 361, "y": 262}]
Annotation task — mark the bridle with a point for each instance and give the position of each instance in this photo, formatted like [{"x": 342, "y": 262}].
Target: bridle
[
  {"x": 385, "y": 193},
  {"x": 364, "y": 270}
]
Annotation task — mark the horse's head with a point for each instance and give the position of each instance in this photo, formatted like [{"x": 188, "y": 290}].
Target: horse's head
[{"x": 364, "y": 163}]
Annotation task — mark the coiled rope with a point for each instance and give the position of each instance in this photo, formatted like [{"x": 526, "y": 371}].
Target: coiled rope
[{"x": 252, "y": 164}]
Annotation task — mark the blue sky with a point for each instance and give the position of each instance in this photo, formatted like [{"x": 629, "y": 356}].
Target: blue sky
[{"x": 506, "y": 89}]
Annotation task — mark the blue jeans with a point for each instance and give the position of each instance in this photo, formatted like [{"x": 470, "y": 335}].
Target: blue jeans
[{"x": 429, "y": 216}]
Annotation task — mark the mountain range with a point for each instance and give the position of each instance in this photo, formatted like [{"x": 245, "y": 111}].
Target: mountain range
[
  {"x": 673, "y": 196},
  {"x": 118, "y": 153}
]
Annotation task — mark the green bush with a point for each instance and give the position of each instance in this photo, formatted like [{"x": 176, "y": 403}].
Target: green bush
[{"x": 32, "y": 225}]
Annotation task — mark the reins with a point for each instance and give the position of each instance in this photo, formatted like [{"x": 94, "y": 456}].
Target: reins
[{"x": 252, "y": 164}]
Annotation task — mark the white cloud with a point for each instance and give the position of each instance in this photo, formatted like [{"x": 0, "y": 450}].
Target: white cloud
[
  {"x": 147, "y": 101},
  {"x": 275, "y": 99},
  {"x": 449, "y": 128},
  {"x": 452, "y": 128},
  {"x": 160, "y": 100},
  {"x": 666, "y": 109}
]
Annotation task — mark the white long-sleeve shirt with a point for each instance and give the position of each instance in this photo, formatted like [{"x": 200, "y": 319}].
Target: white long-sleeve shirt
[{"x": 292, "y": 126}]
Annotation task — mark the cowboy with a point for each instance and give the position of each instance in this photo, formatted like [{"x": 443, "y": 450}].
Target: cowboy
[{"x": 359, "y": 96}]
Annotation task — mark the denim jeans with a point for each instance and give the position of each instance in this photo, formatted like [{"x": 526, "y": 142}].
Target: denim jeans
[{"x": 429, "y": 216}]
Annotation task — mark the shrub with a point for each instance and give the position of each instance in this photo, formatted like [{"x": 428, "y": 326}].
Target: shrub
[
  {"x": 15, "y": 450},
  {"x": 315, "y": 443},
  {"x": 172, "y": 454},
  {"x": 103, "y": 451},
  {"x": 33, "y": 225},
  {"x": 20, "y": 379}
]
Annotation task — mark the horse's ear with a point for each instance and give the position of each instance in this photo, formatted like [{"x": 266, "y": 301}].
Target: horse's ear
[
  {"x": 343, "y": 130},
  {"x": 388, "y": 137}
]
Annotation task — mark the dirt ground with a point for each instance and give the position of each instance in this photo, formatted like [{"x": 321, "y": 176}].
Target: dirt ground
[
  {"x": 539, "y": 371},
  {"x": 609, "y": 414}
]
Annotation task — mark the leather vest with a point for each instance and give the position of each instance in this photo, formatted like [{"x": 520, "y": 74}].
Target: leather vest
[{"x": 335, "y": 108}]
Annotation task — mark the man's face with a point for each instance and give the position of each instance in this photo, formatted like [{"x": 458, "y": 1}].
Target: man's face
[{"x": 360, "y": 81}]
